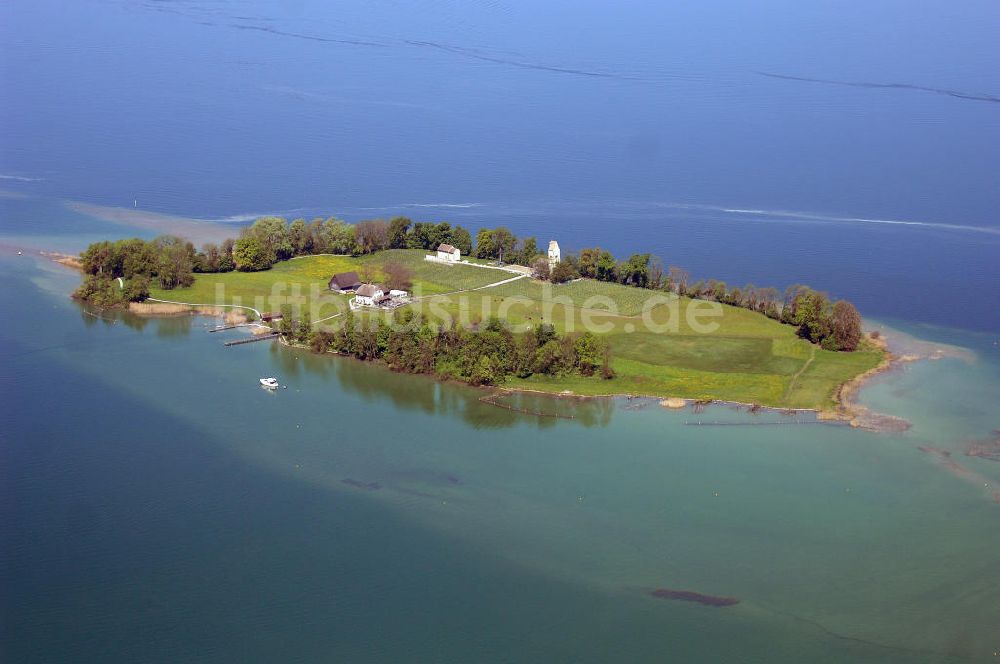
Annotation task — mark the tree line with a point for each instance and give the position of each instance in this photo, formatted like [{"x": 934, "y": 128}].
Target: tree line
[
  {"x": 172, "y": 262},
  {"x": 485, "y": 355},
  {"x": 273, "y": 239}
]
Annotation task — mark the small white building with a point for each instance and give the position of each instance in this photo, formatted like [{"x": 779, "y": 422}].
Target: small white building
[
  {"x": 398, "y": 294},
  {"x": 370, "y": 295},
  {"x": 554, "y": 255},
  {"x": 446, "y": 252}
]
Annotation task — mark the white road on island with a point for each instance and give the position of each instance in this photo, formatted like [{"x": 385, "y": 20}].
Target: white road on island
[{"x": 469, "y": 290}]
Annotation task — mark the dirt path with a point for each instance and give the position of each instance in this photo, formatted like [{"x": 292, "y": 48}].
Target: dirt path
[
  {"x": 469, "y": 290},
  {"x": 795, "y": 378}
]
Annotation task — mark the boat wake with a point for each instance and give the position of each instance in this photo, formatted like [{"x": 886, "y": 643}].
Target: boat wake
[{"x": 806, "y": 217}]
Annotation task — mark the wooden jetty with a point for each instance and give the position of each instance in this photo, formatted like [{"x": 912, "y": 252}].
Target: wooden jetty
[
  {"x": 226, "y": 327},
  {"x": 263, "y": 337}
]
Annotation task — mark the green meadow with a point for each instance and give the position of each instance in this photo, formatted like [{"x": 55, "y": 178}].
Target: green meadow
[
  {"x": 661, "y": 345},
  {"x": 268, "y": 290}
]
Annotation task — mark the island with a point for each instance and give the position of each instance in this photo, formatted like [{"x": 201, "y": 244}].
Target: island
[{"x": 498, "y": 311}]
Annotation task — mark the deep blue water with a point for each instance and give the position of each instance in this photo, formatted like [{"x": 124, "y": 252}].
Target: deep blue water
[{"x": 638, "y": 127}]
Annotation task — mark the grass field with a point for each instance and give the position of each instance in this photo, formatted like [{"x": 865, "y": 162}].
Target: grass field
[
  {"x": 267, "y": 291},
  {"x": 657, "y": 349}
]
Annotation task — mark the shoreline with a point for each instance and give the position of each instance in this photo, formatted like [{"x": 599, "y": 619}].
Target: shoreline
[
  {"x": 67, "y": 260},
  {"x": 847, "y": 411},
  {"x": 850, "y": 410}
]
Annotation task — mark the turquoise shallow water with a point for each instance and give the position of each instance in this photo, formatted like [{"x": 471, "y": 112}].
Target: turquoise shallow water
[{"x": 158, "y": 505}]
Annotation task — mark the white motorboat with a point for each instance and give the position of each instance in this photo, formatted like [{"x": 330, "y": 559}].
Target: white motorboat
[{"x": 269, "y": 383}]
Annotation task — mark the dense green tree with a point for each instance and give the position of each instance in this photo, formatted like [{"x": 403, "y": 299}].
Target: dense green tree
[
  {"x": 421, "y": 237},
  {"x": 606, "y": 267},
  {"x": 504, "y": 242},
  {"x": 791, "y": 302},
  {"x": 251, "y": 256},
  {"x": 339, "y": 237},
  {"x": 497, "y": 243},
  {"x": 273, "y": 235},
  {"x": 524, "y": 355},
  {"x": 587, "y": 262},
  {"x": 462, "y": 240},
  {"x": 300, "y": 237},
  {"x": 484, "y": 357},
  {"x": 485, "y": 247},
  {"x": 544, "y": 333},
  {"x": 344, "y": 336},
  {"x": 100, "y": 258},
  {"x": 304, "y": 329},
  {"x": 286, "y": 325},
  {"x": 399, "y": 227},
  {"x": 137, "y": 288},
  {"x": 589, "y": 353},
  {"x": 100, "y": 291},
  {"x": 365, "y": 340},
  {"x": 549, "y": 358},
  {"x": 485, "y": 372},
  {"x": 136, "y": 256},
  {"x": 562, "y": 272},
  {"x": 440, "y": 234},
  {"x": 175, "y": 261},
  {"x": 635, "y": 271},
  {"x": 813, "y": 315},
  {"x": 318, "y": 237},
  {"x": 526, "y": 252},
  {"x": 321, "y": 341}
]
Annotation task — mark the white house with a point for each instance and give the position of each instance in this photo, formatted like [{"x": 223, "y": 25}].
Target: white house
[
  {"x": 370, "y": 295},
  {"x": 446, "y": 252},
  {"x": 554, "y": 256}
]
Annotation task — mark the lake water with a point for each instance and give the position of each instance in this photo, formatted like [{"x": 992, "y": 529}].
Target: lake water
[{"x": 155, "y": 505}]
